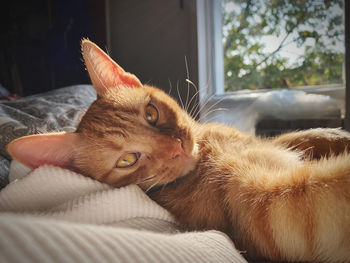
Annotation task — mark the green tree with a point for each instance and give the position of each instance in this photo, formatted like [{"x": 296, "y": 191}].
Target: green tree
[{"x": 245, "y": 23}]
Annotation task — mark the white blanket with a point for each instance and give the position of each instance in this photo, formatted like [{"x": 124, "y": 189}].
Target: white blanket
[{"x": 55, "y": 215}]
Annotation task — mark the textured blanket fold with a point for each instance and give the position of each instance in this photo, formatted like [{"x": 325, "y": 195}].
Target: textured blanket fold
[{"x": 55, "y": 215}]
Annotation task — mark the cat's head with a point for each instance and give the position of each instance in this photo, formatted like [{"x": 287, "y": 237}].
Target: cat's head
[{"x": 132, "y": 133}]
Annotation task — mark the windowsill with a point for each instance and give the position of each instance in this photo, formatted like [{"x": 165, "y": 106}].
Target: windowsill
[
  {"x": 243, "y": 110},
  {"x": 317, "y": 89}
]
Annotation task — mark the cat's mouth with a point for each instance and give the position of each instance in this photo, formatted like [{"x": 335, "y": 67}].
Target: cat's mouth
[
  {"x": 181, "y": 165},
  {"x": 182, "y": 162},
  {"x": 186, "y": 152}
]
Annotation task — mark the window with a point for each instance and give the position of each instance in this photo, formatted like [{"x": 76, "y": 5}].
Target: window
[
  {"x": 237, "y": 63},
  {"x": 282, "y": 44}
]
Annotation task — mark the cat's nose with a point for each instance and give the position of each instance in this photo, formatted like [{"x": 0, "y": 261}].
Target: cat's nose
[{"x": 176, "y": 150}]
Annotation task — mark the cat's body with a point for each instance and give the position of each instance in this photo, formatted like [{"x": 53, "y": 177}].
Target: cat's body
[
  {"x": 265, "y": 198},
  {"x": 286, "y": 198}
]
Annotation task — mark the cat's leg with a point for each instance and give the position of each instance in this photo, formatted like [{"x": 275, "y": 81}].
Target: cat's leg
[
  {"x": 316, "y": 143},
  {"x": 295, "y": 213}
]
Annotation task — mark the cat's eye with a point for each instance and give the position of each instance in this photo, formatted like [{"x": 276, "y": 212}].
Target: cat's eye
[
  {"x": 152, "y": 114},
  {"x": 127, "y": 160}
]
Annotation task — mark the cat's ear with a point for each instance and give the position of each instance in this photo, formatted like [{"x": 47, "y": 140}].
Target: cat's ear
[
  {"x": 104, "y": 72},
  {"x": 52, "y": 148}
]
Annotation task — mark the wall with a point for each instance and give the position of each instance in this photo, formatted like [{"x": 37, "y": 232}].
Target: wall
[{"x": 152, "y": 38}]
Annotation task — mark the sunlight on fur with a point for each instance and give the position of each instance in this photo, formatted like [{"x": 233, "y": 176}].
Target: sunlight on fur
[{"x": 282, "y": 199}]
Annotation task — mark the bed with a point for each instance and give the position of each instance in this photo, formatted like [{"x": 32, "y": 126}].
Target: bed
[{"x": 54, "y": 215}]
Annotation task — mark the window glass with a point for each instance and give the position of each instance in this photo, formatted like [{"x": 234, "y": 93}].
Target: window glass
[{"x": 274, "y": 44}]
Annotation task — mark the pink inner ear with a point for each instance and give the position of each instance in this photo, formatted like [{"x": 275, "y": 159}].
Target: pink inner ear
[
  {"x": 55, "y": 149},
  {"x": 103, "y": 71}
]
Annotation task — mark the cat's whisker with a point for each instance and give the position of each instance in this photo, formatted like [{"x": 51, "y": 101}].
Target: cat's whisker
[
  {"x": 210, "y": 112},
  {"x": 206, "y": 101},
  {"x": 216, "y": 103},
  {"x": 189, "y": 103},
  {"x": 178, "y": 93},
  {"x": 188, "y": 85},
  {"x": 212, "y": 106},
  {"x": 193, "y": 85},
  {"x": 295, "y": 146},
  {"x": 194, "y": 95},
  {"x": 203, "y": 105},
  {"x": 310, "y": 154},
  {"x": 215, "y": 119},
  {"x": 212, "y": 119},
  {"x": 194, "y": 108},
  {"x": 146, "y": 179},
  {"x": 153, "y": 185},
  {"x": 163, "y": 187}
]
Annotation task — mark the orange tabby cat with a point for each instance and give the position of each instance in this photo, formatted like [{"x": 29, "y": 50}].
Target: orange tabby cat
[{"x": 286, "y": 198}]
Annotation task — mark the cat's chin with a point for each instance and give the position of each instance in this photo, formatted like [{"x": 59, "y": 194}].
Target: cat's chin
[
  {"x": 171, "y": 171},
  {"x": 187, "y": 162}
]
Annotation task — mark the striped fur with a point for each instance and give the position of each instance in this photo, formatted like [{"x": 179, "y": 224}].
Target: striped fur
[{"x": 283, "y": 199}]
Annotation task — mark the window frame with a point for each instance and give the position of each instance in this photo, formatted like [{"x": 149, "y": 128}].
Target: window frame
[
  {"x": 210, "y": 56},
  {"x": 210, "y": 53},
  {"x": 347, "y": 64}
]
